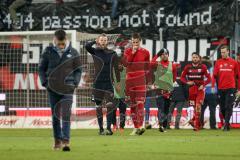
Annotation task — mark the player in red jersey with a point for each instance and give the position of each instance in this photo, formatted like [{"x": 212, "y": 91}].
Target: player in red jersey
[
  {"x": 193, "y": 75},
  {"x": 226, "y": 73},
  {"x": 136, "y": 61}
]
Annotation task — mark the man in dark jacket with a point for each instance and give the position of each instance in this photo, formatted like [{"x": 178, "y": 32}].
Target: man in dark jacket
[
  {"x": 179, "y": 100},
  {"x": 210, "y": 100},
  {"x": 59, "y": 71},
  {"x": 104, "y": 61}
]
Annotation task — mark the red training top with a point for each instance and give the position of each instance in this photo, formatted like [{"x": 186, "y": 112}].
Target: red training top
[{"x": 225, "y": 72}]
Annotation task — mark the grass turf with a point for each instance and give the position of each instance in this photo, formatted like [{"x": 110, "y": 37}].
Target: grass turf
[{"x": 35, "y": 144}]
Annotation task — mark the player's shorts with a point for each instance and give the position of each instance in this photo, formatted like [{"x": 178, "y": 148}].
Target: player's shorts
[
  {"x": 136, "y": 87},
  {"x": 138, "y": 93},
  {"x": 98, "y": 95},
  {"x": 196, "y": 96}
]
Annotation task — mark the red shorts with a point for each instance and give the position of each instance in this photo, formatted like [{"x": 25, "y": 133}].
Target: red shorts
[
  {"x": 196, "y": 96},
  {"x": 136, "y": 86}
]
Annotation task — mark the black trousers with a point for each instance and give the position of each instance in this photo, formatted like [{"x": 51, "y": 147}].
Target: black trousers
[
  {"x": 179, "y": 105},
  {"x": 99, "y": 96},
  {"x": 226, "y": 100},
  {"x": 122, "y": 109},
  {"x": 163, "y": 105},
  {"x": 211, "y": 102}
]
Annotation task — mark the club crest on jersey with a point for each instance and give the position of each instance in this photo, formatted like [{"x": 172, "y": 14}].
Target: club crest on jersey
[
  {"x": 199, "y": 70},
  {"x": 69, "y": 55},
  {"x": 221, "y": 66}
]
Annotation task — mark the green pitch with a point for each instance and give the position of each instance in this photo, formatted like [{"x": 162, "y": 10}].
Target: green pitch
[{"x": 35, "y": 144}]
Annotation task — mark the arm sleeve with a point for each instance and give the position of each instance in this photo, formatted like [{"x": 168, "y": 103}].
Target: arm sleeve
[
  {"x": 147, "y": 58},
  {"x": 237, "y": 75},
  {"x": 115, "y": 68},
  {"x": 127, "y": 57},
  {"x": 183, "y": 75},
  {"x": 42, "y": 68},
  {"x": 78, "y": 69},
  {"x": 154, "y": 61},
  {"x": 215, "y": 71},
  {"x": 89, "y": 47},
  {"x": 213, "y": 82},
  {"x": 208, "y": 76},
  {"x": 174, "y": 72}
]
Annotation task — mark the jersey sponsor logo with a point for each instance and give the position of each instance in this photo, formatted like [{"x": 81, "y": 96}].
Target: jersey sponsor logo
[
  {"x": 226, "y": 69},
  {"x": 194, "y": 76}
]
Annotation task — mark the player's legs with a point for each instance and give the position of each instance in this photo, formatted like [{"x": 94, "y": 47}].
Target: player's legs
[
  {"x": 171, "y": 109},
  {"x": 193, "y": 91},
  {"x": 179, "y": 106},
  {"x": 138, "y": 94},
  {"x": 122, "y": 108},
  {"x": 110, "y": 109},
  {"x": 57, "y": 132},
  {"x": 140, "y": 114},
  {"x": 99, "y": 114},
  {"x": 230, "y": 97},
  {"x": 147, "y": 112},
  {"x": 98, "y": 98},
  {"x": 66, "y": 105},
  {"x": 161, "y": 113},
  {"x": 197, "y": 110},
  {"x": 222, "y": 101},
  {"x": 203, "y": 108},
  {"x": 114, "y": 118},
  {"x": 212, "y": 108},
  {"x": 166, "y": 112}
]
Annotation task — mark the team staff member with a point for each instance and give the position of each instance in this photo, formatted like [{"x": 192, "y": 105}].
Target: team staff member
[
  {"x": 226, "y": 73},
  {"x": 193, "y": 75},
  {"x": 104, "y": 61}
]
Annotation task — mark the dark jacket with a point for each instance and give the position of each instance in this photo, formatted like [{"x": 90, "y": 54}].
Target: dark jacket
[
  {"x": 60, "y": 74},
  {"x": 180, "y": 91},
  {"x": 105, "y": 61}
]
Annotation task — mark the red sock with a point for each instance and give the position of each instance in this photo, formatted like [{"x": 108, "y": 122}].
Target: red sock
[
  {"x": 140, "y": 114},
  {"x": 134, "y": 115}
]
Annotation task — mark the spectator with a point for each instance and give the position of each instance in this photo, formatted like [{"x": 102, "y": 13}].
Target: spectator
[
  {"x": 114, "y": 9},
  {"x": 13, "y": 9}
]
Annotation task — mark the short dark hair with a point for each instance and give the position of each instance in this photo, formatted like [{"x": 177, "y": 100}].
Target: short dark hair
[
  {"x": 196, "y": 53},
  {"x": 163, "y": 50},
  {"x": 60, "y": 34},
  {"x": 224, "y": 47},
  {"x": 206, "y": 57},
  {"x": 136, "y": 36}
]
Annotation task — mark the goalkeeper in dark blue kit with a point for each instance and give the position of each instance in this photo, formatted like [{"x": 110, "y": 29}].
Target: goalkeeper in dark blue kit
[{"x": 105, "y": 61}]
